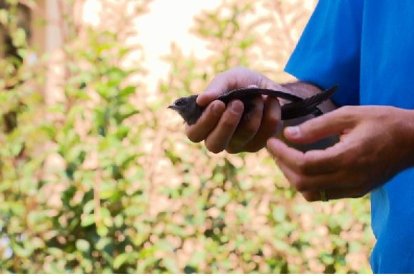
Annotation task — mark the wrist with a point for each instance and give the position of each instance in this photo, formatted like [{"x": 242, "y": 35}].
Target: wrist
[
  {"x": 409, "y": 141},
  {"x": 401, "y": 132}
]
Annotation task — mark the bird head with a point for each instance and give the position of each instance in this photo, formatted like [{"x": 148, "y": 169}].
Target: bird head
[{"x": 188, "y": 108}]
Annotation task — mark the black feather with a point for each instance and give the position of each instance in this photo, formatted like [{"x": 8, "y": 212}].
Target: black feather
[{"x": 190, "y": 111}]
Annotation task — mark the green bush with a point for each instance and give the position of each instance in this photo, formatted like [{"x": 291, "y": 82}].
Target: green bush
[{"x": 106, "y": 181}]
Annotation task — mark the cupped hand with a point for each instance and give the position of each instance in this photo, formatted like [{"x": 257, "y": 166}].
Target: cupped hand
[
  {"x": 223, "y": 127},
  {"x": 375, "y": 144}
]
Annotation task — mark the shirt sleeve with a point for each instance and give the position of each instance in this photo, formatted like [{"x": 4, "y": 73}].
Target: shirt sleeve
[{"x": 328, "y": 51}]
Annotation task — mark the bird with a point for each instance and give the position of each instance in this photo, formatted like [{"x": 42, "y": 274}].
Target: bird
[{"x": 190, "y": 111}]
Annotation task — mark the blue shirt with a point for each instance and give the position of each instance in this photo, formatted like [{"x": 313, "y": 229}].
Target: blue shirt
[{"x": 367, "y": 48}]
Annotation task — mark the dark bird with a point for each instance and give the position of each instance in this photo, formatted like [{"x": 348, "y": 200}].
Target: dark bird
[{"x": 190, "y": 111}]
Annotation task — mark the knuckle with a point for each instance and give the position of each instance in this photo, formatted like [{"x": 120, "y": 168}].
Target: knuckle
[
  {"x": 220, "y": 76},
  {"x": 305, "y": 165},
  {"x": 228, "y": 123},
  {"x": 230, "y": 73},
  {"x": 258, "y": 104},
  {"x": 302, "y": 166},
  {"x": 273, "y": 118},
  {"x": 343, "y": 110},
  {"x": 249, "y": 129},
  {"x": 238, "y": 69},
  {"x": 347, "y": 113},
  {"x": 346, "y": 109}
]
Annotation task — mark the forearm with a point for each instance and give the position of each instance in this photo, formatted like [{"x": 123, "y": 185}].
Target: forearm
[{"x": 405, "y": 136}]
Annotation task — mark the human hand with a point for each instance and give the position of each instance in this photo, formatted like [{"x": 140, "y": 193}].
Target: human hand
[
  {"x": 375, "y": 144},
  {"x": 223, "y": 127}
]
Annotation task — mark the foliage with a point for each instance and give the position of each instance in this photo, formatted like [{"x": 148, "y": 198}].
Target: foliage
[{"x": 104, "y": 180}]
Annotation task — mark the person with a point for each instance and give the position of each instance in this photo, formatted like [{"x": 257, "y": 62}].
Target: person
[{"x": 365, "y": 47}]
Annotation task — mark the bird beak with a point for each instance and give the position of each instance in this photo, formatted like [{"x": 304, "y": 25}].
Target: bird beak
[{"x": 173, "y": 107}]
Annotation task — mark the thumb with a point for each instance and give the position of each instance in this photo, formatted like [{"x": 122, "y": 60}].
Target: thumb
[
  {"x": 215, "y": 89},
  {"x": 234, "y": 78},
  {"x": 311, "y": 131}
]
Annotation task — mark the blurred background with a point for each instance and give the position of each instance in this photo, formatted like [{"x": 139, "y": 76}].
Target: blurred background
[{"x": 97, "y": 175}]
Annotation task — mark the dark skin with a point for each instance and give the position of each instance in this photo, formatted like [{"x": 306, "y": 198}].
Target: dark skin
[
  {"x": 223, "y": 127},
  {"x": 375, "y": 142},
  {"x": 190, "y": 111}
]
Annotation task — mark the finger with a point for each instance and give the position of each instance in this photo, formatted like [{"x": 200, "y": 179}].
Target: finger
[
  {"x": 333, "y": 123},
  {"x": 312, "y": 162},
  {"x": 283, "y": 153},
  {"x": 304, "y": 183},
  {"x": 269, "y": 126},
  {"x": 248, "y": 126},
  {"x": 333, "y": 194},
  {"x": 222, "y": 83},
  {"x": 332, "y": 159},
  {"x": 221, "y": 135},
  {"x": 234, "y": 78},
  {"x": 313, "y": 194},
  {"x": 206, "y": 123}
]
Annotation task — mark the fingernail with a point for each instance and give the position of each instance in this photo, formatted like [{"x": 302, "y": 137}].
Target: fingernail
[
  {"x": 293, "y": 131},
  {"x": 236, "y": 107}
]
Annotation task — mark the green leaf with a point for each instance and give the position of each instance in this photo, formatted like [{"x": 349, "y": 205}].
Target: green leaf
[
  {"x": 87, "y": 220},
  {"x": 122, "y": 132},
  {"x": 279, "y": 213},
  {"x": 119, "y": 221},
  {"x": 83, "y": 245},
  {"x": 19, "y": 38},
  {"x": 129, "y": 90},
  {"x": 89, "y": 207},
  {"x": 102, "y": 243},
  {"x": 102, "y": 230},
  {"x": 120, "y": 260},
  {"x": 106, "y": 216},
  {"x": 22, "y": 251},
  {"x": 108, "y": 190}
]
